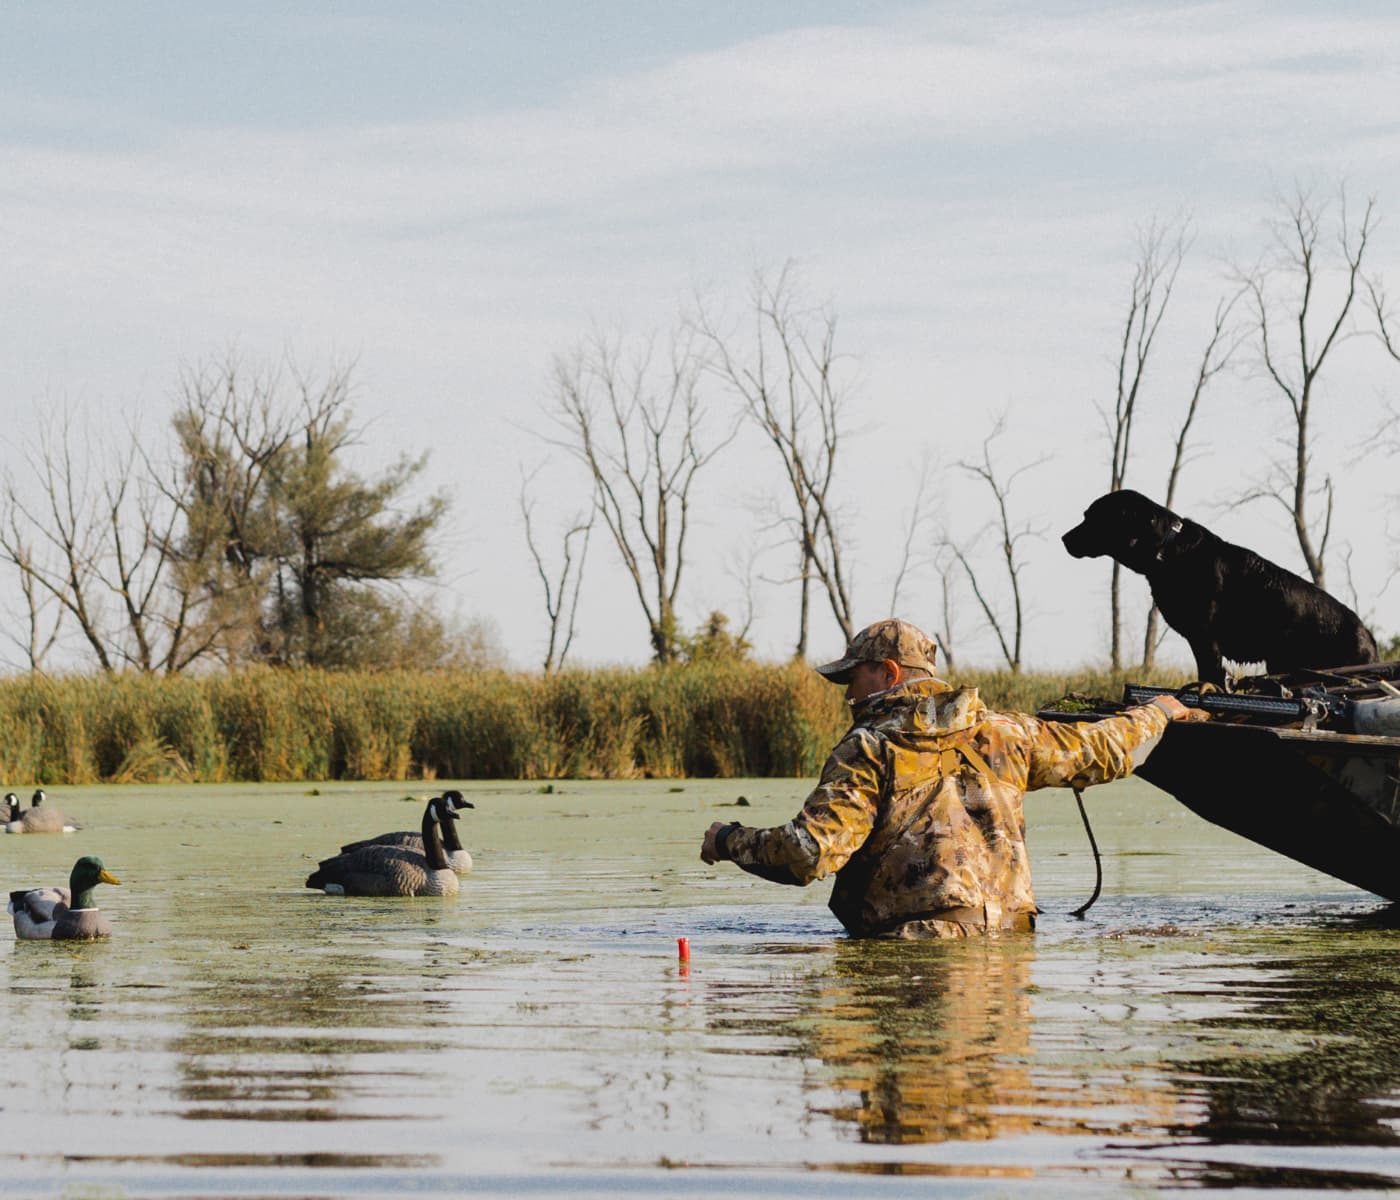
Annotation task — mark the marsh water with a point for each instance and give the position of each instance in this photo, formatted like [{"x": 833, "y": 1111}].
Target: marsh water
[{"x": 1221, "y": 1017}]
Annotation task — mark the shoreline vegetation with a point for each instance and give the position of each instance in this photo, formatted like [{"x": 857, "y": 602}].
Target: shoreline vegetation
[{"x": 705, "y": 720}]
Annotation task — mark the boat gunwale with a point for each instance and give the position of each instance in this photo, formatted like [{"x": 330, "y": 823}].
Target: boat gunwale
[{"x": 1285, "y": 732}]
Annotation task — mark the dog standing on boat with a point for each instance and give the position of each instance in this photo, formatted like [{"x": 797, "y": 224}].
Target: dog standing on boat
[{"x": 1225, "y": 600}]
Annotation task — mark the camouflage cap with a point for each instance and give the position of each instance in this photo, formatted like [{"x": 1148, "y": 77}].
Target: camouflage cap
[{"x": 907, "y": 644}]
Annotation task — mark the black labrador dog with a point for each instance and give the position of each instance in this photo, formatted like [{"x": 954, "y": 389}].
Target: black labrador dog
[{"x": 1226, "y": 601}]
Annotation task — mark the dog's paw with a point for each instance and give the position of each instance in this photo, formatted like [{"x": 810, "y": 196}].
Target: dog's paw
[
  {"x": 1192, "y": 695},
  {"x": 1200, "y": 687}
]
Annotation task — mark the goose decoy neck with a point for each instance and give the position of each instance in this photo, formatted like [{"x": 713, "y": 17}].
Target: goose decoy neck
[
  {"x": 433, "y": 849},
  {"x": 451, "y": 840},
  {"x": 450, "y": 801}
]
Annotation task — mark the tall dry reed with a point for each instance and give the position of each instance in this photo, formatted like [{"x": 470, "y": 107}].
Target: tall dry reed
[{"x": 710, "y": 719}]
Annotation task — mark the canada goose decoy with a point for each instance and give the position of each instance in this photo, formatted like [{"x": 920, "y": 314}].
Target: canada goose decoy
[
  {"x": 39, "y": 819},
  {"x": 376, "y": 870},
  {"x": 458, "y": 857},
  {"x": 64, "y": 914}
]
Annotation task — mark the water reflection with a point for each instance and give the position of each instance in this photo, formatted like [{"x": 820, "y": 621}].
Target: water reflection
[
  {"x": 932, "y": 1038},
  {"x": 323, "y": 1036},
  {"x": 68, "y": 1015},
  {"x": 922, "y": 1044},
  {"x": 1318, "y": 1058}
]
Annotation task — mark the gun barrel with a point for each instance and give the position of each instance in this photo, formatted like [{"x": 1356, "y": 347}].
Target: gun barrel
[{"x": 1225, "y": 703}]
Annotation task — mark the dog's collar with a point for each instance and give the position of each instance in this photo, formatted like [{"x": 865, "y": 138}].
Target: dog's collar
[{"x": 1170, "y": 538}]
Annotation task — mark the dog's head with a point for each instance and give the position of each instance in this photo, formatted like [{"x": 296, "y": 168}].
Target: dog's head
[{"x": 1125, "y": 525}]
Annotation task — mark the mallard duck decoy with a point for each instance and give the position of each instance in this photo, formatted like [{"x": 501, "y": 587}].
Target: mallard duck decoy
[
  {"x": 376, "y": 870},
  {"x": 39, "y": 818},
  {"x": 458, "y": 857},
  {"x": 64, "y": 914}
]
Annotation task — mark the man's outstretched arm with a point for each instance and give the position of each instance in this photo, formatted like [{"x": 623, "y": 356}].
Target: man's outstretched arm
[
  {"x": 1080, "y": 754},
  {"x": 832, "y": 825}
]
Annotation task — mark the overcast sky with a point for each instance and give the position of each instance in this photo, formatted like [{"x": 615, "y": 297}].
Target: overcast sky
[{"x": 452, "y": 194}]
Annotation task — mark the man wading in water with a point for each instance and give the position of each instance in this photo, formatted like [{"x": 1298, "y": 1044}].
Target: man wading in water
[{"x": 918, "y": 810}]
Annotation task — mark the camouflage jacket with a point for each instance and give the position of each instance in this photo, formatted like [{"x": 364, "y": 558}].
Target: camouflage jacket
[{"x": 918, "y": 810}]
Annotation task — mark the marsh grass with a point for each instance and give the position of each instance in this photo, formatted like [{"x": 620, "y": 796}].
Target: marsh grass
[{"x": 704, "y": 720}]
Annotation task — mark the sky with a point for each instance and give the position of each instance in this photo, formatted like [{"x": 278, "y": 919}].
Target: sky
[{"x": 453, "y": 195}]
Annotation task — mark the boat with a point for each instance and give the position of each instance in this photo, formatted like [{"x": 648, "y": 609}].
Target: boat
[{"x": 1306, "y": 764}]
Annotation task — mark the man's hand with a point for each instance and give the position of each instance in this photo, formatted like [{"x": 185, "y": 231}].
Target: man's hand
[
  {"x": 709, "y": 852},
  {"x": 1178, "y": 711}
]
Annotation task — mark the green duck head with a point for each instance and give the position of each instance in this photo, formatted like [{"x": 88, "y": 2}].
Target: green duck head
[{"x": 87, "y": 873}]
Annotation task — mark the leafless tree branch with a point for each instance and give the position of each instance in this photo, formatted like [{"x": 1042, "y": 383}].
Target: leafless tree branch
[
  {"x": 1224, "y": 340},
  {"x": 1009, "y": 630},
  {"x": 789, "y": 387},
  {"x": 1283, "y": 292},
  {"x": 1161, "y": 249},
  {"x": 562, "y": 587},
  {"x": 637, "y": 429}
]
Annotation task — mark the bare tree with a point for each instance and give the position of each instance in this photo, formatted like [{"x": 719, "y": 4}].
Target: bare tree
[
  {"x": 91, "y": 539},
  {"x": 1220, "y": 347},
  {"x": 913, "y": 552},
  {"x": 43, "y": 613},
  {"x": 926, "y": 549},
  {"x": 1386, "y": 437},
  {"x": 946, "y": 565},
  {"x": 1285, "y": 294},
  {"x": 156, "y": 611},
  {"x": 742, "y": 567},
  {"x": 636, "y": 427},
  {"x": 53, "y": 541},
  {"x": 789, "y": 387},
  {"x": 1161, "y": 249},
  {"x": 561, "y": 587},
  {"x": 1010, "y": 533}
]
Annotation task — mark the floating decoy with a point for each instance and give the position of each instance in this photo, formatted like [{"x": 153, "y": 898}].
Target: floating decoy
[
  {"x": 376, "y": 870},
  {"x": 458, "y": 857},
  {"x": 64, "y": 914},
  {"x": 39, "y": 818}
]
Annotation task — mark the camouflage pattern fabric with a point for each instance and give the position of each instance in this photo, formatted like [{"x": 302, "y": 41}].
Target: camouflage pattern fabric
[{"x": 918, "y": 810}]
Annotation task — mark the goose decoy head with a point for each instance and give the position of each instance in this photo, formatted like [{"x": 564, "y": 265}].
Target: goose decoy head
[
  {"x": 441, "y": 811},
  {"x": 456, "y": 799},
  {"x": 12, "y": 803},
  {"x": 37, "y": 798}
]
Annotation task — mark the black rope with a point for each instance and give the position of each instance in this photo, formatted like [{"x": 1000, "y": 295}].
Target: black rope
[{"x": 1098, "y": 862}]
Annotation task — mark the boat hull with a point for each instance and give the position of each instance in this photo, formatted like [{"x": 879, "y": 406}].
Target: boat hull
[{"x": 1328, "y": 800}]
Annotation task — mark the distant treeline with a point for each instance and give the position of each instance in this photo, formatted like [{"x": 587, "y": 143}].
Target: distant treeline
[{"x": 701, "y": 720}]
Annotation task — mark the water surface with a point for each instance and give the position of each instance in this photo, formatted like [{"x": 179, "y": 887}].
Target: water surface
[{"x": 1222, "y": 1017}]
